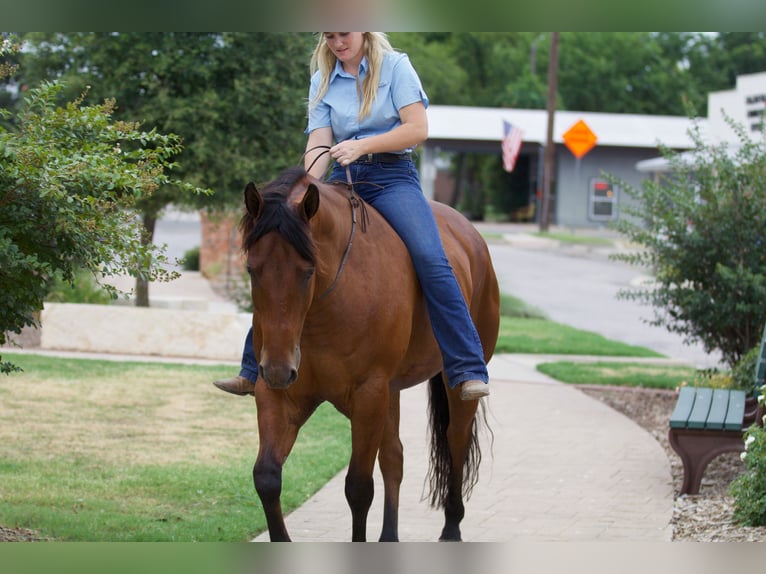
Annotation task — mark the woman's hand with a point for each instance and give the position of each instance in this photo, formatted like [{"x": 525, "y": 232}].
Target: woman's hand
[
  {"x": 412, "y": 131},
  {"x": 348, "y": 151}
]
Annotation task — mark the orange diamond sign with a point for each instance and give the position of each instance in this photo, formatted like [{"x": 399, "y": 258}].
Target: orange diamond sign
[{"x": 580, "y": 139}]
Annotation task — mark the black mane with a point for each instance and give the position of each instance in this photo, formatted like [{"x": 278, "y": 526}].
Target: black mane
[{"x": 276, "y": 215}]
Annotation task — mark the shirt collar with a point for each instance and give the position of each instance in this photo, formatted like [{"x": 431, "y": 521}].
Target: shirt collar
[{"x": 339, "y": 71}]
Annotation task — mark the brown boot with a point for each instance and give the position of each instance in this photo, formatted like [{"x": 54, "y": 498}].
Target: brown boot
[
  {"x": 472, "y": 390},
  {"x": 236, "y": 386}
]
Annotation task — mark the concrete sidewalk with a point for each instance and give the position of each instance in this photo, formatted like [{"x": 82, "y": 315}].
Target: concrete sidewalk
[{"x": 562, "y": 467}]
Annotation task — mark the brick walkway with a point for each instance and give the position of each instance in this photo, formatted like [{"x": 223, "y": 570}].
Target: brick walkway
[{"x": 563, "y": 467}]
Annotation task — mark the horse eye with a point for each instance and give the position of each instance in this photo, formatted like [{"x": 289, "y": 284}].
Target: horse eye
[{"x": 251, "y": 274}]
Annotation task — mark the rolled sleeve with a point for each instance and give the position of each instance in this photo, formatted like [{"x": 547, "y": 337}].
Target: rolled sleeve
[
  {"x": 406, "y": 87},
  {"x": 319, "y": 114}
]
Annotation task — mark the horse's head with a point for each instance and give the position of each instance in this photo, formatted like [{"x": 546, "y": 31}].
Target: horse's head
[{"x": 281, "y": 262}]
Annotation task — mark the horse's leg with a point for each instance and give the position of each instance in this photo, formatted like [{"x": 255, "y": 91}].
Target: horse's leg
[
  {"x": 454, "y": 453},
  {"x": 370, "y": 408},
  {"x": 459, "y": 439},
  {"x": 391, "y": 460},
  {"x": 278, "y": 427}
]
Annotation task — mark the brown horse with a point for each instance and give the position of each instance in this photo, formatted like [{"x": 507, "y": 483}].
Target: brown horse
[{"x": 339, "y": 316}]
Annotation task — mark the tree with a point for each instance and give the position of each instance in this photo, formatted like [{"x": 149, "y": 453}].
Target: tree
[
  {"x": 702, "y": 230},
  {"x": 237, "y": 100},
  {"x": 70, "y": 179}
]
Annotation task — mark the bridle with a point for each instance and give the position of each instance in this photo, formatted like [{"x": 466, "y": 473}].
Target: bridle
[{"x": 356, "y": 204}]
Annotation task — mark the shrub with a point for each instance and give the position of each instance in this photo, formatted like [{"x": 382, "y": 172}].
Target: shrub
[
  {"x": 702, "y": 230},
  {"x": 713, "y": 378},
  {"x": 70, "y": 179},
  {"x": 191, "y": 259},
  {"x": 749, "y": 489},
  {"x": 739, "y": 377},
  {"x": 743, "y": 371},
  {"x": 83, "y": 288}
]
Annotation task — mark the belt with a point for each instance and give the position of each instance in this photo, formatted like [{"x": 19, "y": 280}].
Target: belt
[{"x": 384, "y": 158}]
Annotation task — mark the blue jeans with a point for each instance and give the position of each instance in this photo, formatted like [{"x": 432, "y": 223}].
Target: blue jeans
[{"x": 394, "y": 190}]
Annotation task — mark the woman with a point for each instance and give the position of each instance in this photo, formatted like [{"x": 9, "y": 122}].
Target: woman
[{"x": 367, "y": 105}]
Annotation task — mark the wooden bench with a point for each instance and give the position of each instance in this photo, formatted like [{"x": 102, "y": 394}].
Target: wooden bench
[{"x": 706, "y": 423}]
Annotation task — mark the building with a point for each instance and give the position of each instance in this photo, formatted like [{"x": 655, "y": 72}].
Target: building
[
  {"x": 581, "y": 197},
  {"x": 745, "y": 105}
]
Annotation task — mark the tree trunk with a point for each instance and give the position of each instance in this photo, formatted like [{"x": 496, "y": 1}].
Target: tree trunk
[{"x": 142, "y": 284}]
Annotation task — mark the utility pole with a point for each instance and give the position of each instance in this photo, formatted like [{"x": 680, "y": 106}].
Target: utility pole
[{"x": 553, "y": 64}]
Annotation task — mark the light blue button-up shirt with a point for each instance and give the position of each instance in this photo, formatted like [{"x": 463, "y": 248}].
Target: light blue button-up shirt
[{"x": 399, "y": 86}]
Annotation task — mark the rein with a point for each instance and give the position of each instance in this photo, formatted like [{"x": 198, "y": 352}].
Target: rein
[{"x": 356, "y": 204}]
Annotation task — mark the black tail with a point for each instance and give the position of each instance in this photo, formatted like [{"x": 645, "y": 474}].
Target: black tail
[{"x": 438, "y": 478}]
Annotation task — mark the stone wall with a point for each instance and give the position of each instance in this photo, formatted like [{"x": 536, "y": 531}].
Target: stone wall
[{"x": 143, "y": 331}]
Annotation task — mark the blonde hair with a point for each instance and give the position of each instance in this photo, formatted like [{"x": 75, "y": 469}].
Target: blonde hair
[{"x": 376, "y": 45}]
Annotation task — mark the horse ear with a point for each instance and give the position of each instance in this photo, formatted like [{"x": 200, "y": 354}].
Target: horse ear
[
  {"x": 310, "y": 202},
  {"x": 253, "y": 200}
]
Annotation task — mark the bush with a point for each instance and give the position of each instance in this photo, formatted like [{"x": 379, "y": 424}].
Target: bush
[
  {"x": 749, "y": 489},
  {"x": 82, "y": 289},
  {"x": 740, "y": 377},
  {"x": 743, "y": 371},
  {"x": 191, "y": 259},
  {"x": 702, "y": 230},
  {"x": 71, "y": 177}
]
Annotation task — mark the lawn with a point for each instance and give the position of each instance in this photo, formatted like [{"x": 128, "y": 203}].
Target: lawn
[
  {"x": 541, "y": 336},
  {"x": 107, "y": 451},
  {"x": 619, "y": 373}
]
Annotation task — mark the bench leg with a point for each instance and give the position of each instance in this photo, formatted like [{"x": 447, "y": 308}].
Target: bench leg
[{"x": 697, "y": 448}]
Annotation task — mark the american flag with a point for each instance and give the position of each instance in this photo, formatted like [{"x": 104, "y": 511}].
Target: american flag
[{"x": 511, "y": 145}]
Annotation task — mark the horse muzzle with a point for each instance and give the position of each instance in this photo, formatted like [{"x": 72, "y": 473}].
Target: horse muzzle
[{"x": 280, "y": 374}]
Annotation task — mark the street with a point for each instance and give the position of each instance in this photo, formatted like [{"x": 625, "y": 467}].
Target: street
[{"x": 580, "y": 290}]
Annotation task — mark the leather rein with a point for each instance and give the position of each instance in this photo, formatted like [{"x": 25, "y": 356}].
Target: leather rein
[{"x": 356, "y": 204}]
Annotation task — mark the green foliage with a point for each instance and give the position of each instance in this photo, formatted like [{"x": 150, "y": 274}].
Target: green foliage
[
  {"x": 70, "y": 177},
  {"x": 191, "y": 259},
  {"x": 702, "y": 232},
  {"x": 749, "y": 489},
  {"x": 743, "y": 372},
  {"x": 82, "y": 289},
  {"x": 238, "y": 100},
  {"x": 713, "y": 378}
]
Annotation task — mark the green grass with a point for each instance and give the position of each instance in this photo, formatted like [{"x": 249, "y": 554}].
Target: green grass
[
  {"x": 575, "y": 238},
  {"x": 108, "y": 451},
  {"x": 619, "y": 373},
  {"x": 511, "y": 306},
  {"x": 541, "y": 336}
]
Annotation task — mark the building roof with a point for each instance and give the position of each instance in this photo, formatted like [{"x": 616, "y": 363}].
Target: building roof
[{"x": 619, "y": 130}]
